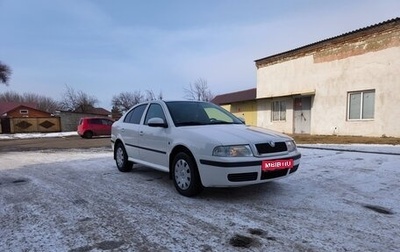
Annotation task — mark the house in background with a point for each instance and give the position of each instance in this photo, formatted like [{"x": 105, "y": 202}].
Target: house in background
[
  {"x": 25, "y": 118},
  {"x": 242, "y": 104},
  {"x": 345, "y": 85}
]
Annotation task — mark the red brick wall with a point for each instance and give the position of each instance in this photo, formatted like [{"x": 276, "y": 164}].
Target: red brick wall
[
  {"x": 360, "y": 44},
  {"x": 369, "y": 39}
]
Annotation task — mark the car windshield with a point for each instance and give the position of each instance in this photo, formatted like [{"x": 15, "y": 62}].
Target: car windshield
[{"x": 187, "y": 113}]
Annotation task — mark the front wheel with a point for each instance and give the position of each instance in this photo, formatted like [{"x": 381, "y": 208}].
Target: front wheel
[
  {"x": 186, "y": 176},
  {"x": 121, "y": 158}
]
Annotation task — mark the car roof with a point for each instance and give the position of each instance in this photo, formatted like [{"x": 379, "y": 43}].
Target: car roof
[
  {"x": 169, "y": 101},
  {"x": 165, "y": 102},
  {"x": 96, "y": 117}
]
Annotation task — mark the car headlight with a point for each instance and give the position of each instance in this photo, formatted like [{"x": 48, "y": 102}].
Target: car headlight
[
  {"x": 291, "y": 145},
  {"x": 232, "y": 151}
]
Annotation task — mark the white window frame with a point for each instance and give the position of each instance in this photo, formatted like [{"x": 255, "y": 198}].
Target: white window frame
[
  {"x": 23, "y": 111},
  {"x": 281, "y": 116},
  {"x": 361, "y": 112}
]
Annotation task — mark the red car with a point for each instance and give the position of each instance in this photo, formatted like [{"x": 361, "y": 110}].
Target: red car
[{"x": 94, "y": 126}]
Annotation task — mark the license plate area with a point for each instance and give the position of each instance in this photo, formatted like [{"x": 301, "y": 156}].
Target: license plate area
[{"x": 275, "y": 165}]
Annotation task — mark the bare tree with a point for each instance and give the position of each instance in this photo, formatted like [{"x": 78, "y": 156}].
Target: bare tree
[
  {"x": 11, "y": 96},
  {"x": 115, "y": 112},
  {"x": 5, "y": 73},
  {"x": 199, "y": 91},
  {"x": 150, "y": 96},
  {"x": 126, "y": 100},
  {"x": 42, "y": 102},
  {"x": 77, "y": 100}
]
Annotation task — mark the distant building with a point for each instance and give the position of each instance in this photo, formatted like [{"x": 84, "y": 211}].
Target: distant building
[
  {"x": 345, "y": 85},
  {"x": 70, "y": 119},
  {"x": 26, "y": 118},
  {"x": 242, "y": 104}
]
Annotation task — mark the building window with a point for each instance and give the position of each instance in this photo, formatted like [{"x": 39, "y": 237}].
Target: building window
[
  {"x": 23, "y": 112},
  {"x": 279, "y": 111},
  {"x": 361, "y": 105}
]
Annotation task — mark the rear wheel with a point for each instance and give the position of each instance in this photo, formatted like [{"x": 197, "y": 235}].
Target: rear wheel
[
  {"x": 121, "y": 158},
  {"x": 88, "y": 134},
  {"x": 185, "y": 175}
]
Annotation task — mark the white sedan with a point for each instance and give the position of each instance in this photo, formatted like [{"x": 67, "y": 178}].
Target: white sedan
[{"x": 200, "y": 145}]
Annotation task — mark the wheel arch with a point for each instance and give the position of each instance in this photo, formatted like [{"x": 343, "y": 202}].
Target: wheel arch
[
  {"x": 117, "y": 141},
  {"x": 177, "y": 149}
]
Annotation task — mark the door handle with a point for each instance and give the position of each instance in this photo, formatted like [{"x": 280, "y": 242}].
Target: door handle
[{"x": 140, "y": 133}]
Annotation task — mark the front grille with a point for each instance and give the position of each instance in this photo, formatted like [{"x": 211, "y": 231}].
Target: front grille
[
  {"x": 266, "y": 148},
  {"x": 238, "y": 177},
  {"x": 278, "y": 173}
]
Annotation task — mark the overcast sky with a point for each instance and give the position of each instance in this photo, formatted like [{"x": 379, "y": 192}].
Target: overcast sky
[{"x": 104, "y": 47}]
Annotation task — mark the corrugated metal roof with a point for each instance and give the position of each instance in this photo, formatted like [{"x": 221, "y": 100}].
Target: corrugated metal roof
[
  {"x": 93, "y": 110},
  {"x": 240, "y": 96},
  {"x": 100, "y": 111},
  {"x": 394, "y": 20}
]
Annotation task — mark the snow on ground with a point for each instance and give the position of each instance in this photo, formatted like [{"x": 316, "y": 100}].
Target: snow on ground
[
  {"x": 342, "y": 198},
  {"x": 37, "y": 135}
]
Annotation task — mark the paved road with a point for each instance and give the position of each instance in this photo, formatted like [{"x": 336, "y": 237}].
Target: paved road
[
  {"x": 70, "y": 142},
  {"x": 77, "y": 201}
]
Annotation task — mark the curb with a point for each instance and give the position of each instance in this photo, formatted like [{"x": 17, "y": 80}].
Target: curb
[{"x": 348, "y": 150}]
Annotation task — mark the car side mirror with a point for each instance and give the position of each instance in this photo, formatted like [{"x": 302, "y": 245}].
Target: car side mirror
[{"x": 157, "y": 122}]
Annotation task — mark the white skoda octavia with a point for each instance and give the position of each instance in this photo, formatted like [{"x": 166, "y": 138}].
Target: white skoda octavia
[{"x": 200, "y": 145}]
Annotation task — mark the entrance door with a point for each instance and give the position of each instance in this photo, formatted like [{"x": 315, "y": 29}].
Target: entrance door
[
  {"x": 302, "y": 115},
  {"x": 5, "y": 125}
]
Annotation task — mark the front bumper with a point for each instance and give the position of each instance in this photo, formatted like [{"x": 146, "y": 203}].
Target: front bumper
[{"x": 231, "y": 174}]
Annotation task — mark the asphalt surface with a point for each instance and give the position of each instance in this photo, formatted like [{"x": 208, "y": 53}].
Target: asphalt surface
[
  {"x": 54, "y": 143},
  {"x": 66, "y": 194}
]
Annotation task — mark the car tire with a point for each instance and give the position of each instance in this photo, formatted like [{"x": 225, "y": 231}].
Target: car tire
[
  {"x": 121, "y": 158},
  {"x": 88, "y": 134},
  {"x": 186, "y": 175}
]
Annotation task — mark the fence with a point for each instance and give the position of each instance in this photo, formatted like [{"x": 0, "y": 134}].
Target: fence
[{"x": 31, "y": 124}]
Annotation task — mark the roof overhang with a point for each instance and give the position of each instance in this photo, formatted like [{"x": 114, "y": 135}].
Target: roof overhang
[{"x": 291, "y": 94}]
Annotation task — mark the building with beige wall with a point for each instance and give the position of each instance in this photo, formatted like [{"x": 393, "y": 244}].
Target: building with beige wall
[
  {"x": 345, "y": 85},
  {"x": 242, "y": 104}
]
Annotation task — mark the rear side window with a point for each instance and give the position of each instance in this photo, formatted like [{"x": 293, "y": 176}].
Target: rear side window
[
  {"x": 135, "y": 114},
  {"x": 107, "y": 122},
  {"x": 95, "y": 121}
]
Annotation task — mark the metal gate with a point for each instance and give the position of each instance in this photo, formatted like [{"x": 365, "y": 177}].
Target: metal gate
[{"x": 32, "y": 124}]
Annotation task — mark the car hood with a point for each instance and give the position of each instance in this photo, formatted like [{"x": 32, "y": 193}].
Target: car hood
[{"x": 234, "y": 134}]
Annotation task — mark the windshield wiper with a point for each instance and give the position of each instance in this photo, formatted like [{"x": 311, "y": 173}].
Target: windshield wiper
[
  {"x": 189, "y": 123},
  {"x": 219, "y": 122}
]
